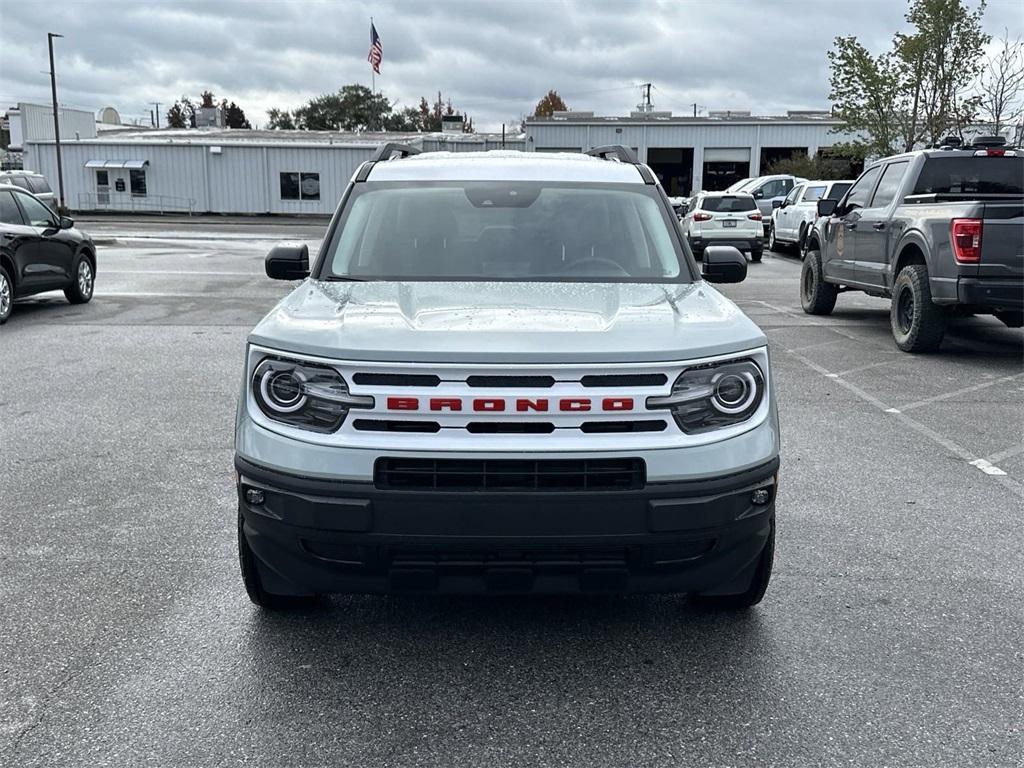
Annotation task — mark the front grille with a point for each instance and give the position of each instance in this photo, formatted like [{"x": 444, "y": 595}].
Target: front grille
[
  {"x": 511, "y": 381},
  {"x": 391, "y": 425},
  {"x": 510, "y": 427},
  {"x": 509, "y": 474},
  {"x": 624, "y": 380},
  {"x": 642, "y": 425},
  {"x": 396, "y": 379}
]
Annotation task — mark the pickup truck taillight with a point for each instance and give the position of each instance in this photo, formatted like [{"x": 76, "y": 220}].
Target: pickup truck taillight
[
  {"x": 966, "y": 237},
  {"x": 754, "y": 216},
  {"x": 702, "y": 216}
]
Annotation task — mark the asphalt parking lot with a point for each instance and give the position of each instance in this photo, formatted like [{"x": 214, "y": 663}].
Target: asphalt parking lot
[{"x": 890, "y": 636}]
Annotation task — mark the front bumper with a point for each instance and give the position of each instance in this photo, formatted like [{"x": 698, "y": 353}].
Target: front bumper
[
  {"x": 322, "y": 536},
  {"x": 745, "y": 243}
]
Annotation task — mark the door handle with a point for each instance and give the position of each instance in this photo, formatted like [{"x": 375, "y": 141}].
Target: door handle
[
  {"x": 878, "y": 226},
  {"x": 852, "y": 225}
]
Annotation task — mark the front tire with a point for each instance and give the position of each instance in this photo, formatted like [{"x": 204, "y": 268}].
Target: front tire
[
  {"x": 816, "y": 296},
  {"x": 754, "y": 593},
  {"x": 6, "y": 296},
  {"x": 83, "y": 281},
  {"x": 918, "y": 324},
  {"x": 773, "y": 244}
]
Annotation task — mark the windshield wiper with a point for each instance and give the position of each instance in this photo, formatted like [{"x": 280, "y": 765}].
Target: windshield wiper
[{"x": 341, "y": 279}]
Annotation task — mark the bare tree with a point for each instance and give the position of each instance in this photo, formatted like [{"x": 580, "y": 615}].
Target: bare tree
[{"x": 1001, "y": 85}]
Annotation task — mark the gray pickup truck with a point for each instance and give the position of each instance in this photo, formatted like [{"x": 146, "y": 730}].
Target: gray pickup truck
[{"x": 938, "y": 231}]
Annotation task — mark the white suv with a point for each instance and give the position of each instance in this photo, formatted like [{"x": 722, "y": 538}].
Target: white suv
[
  {"x": 505, "y": 373},
  {"x": 724, "y": 218},
  {"x": 766, "y": 190}
]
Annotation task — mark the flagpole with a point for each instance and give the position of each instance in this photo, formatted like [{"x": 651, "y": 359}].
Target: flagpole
[{"x": 373, "y": 75}]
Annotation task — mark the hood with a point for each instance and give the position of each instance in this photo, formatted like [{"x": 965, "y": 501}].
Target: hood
[{"x": 506, "y": 322}]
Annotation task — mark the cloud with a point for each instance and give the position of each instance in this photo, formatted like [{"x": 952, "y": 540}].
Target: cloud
[{"x": 493, "y": 59}]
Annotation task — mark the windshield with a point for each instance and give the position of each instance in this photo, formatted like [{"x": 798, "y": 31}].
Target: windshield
[
  {"x": 524, "y": 231},
  {"x": 741, "y": 184}
]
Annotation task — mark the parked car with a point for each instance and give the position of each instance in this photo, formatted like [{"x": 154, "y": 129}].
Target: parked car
[
  {"x": 32, "y": 182},
  {"x": 41, "y": 252},
  {"x": 724, "y": 218},
  {"x": 497, "y": 377},
  {"x": 765, "y": 190},
  {"x": 794, "y": 216},
  {"x": 937, "y": 231},
  {"x": 679, "y": 205}
]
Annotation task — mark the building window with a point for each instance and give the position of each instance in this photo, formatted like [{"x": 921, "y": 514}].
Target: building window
[
  {"x": 300, "y": 186},
  {"x": 137, "y": 180}
]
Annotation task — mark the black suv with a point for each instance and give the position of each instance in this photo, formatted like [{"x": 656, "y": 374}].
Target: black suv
[{"x": 41, "y": 252}]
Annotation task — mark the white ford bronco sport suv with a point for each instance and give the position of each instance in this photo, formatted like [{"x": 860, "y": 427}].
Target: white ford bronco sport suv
[{"x": 504, "y": 373}]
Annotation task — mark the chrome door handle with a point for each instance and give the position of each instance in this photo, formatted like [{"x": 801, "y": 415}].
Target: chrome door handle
[{"x": 878, "y": 226}]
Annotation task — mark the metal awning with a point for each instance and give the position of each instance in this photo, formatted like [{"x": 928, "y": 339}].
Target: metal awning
[{"x": 134, "y": 164}]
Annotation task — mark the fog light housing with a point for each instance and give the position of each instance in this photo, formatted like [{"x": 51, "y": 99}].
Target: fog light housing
[
  {"x": 254, "y": 496},
  {"x": 761, "y": 496}
]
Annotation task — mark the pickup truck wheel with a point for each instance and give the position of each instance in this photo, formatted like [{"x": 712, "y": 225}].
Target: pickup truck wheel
[
  {"x": 754, "y": 593},
  {"x": 816, "y": 296},
  {"x": 773, "y": 244},
  {"x": 918, "y": 323},
  {"x": 1009, "y": 319},
  {"x": 253, "y": 583}
]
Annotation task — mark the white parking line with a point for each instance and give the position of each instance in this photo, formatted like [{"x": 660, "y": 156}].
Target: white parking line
[
  {"x": 985, "y": 466},
  {"x": 178, "y": 272},
  {"x": 957, "y": 393},
  {"x": 1009, "y": 453}
]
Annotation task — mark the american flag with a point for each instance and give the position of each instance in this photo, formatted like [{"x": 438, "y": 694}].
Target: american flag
[{"x": 376, "y": 49}]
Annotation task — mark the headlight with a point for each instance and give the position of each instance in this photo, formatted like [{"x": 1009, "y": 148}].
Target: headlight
[
  {"x": 713, "y": 396},
  {"x": 304, "y": 395}
]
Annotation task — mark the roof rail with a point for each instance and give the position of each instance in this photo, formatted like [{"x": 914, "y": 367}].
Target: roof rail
[
  {"x": 618, "y": 151},
  {"x": 385, "y": 151}
]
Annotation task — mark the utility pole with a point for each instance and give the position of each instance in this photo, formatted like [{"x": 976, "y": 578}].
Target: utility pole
[
  {"x": 157, "y": 105},
  {"x": 56, "y": 122},
  {"x": 694, "y": 109}
]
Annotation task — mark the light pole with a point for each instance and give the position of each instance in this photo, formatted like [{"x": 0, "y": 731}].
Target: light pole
[{"x": 56, "y": 123}]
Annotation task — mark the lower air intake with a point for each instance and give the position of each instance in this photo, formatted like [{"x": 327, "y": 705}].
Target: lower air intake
[{"x": 509, "y": 474}]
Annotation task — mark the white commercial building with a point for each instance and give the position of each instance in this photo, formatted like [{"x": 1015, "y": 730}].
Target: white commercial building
[
  {"x": 692, "y": 153},
  {"x": 225, "y": 170}
]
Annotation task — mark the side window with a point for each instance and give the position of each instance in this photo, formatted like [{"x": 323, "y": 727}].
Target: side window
[
  {"x": 137, "y": 179},
  {"x": 889, "y": 184},
  {"x": 772, "y": 189},
  {"x": 9, "y": 211},
  {"x": 813, "y": 193},
  {"x": 38, "y": 185},
  {"x": 860, "y": 192},
  {"x": 792, "y": 196},
  {"x": 37, "y": 214},
  {"x": 20, "y": 181},
  {"x": 300, "y": 186}
]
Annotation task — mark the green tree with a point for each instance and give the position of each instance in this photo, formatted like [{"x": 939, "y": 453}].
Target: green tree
[
  {"x": 918, "y": 91},
  {"x": 353, "y": 108},
  {"x": 181, "y": 114},
  {"x": 834, "y": 165},
  {"x": 234, "y": 117},
  {"x": 280, "y": 119},
  {"x": 549, "y": 104}
]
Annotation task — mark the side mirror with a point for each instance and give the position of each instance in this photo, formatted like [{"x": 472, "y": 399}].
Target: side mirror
[
  {"x": 779, "y": 203},
  {"x": 758, "y": 195},
  {"x": 827, "y": 207},
  {"x": 724, "y": 264},
  {"x": 288, "y": 262},
  {"x": 66, "y": 222}
]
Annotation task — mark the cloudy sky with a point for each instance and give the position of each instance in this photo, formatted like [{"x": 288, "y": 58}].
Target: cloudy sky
[{"x": 493, "y": 59}]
